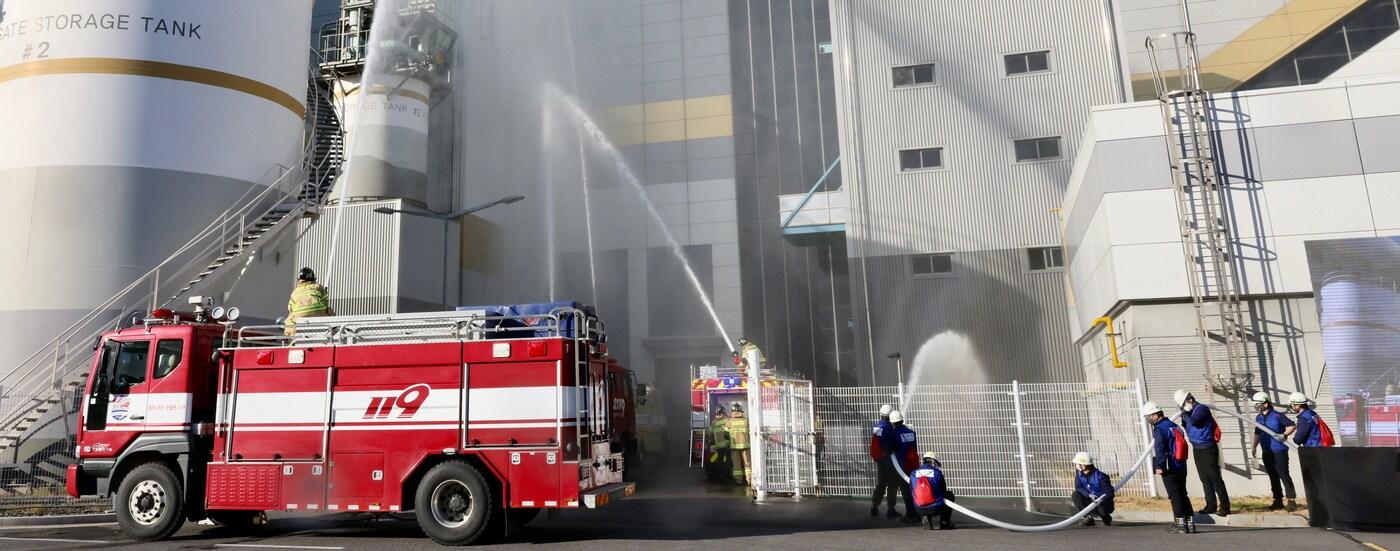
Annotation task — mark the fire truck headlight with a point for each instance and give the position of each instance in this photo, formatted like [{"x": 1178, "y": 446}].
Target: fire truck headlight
[
  {"x": 217, "y": 313},
  {"x": 233, "y": 314}
]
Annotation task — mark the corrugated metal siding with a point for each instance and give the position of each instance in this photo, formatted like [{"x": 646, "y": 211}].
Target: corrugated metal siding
[
  {"x": 983, "y": 200},
  {"x": 983, "y": 206},
  {"x": 366, "y": 253},
  {"x": 1015, "y": 322}
]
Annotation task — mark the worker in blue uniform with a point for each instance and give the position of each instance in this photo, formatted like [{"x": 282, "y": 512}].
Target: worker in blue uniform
[{"x": 1274, "y": 451}]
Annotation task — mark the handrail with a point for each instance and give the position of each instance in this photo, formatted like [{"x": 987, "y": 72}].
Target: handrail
[
  {"x": 30, "y": 383},
  {"x": 810, "y": 193},
  {"x": 463, "y": 326},
  {"x": 42, "y": 368}
]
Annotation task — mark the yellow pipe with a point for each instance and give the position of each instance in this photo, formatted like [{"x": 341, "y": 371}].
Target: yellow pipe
[{"x": 1112, "y": 343}]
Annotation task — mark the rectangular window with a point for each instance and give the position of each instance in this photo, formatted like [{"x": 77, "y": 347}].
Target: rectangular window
[
  {"x": 931, "y": 265},
  {"x": 1029, "y": 62},
  {"x": 169, "y": 353},
  {"x": 1040, "y": 259},
  {"x": 915, "y": 75},
  {"x": 1037, "y": 149},
  {"x": 920, "y": 159}
]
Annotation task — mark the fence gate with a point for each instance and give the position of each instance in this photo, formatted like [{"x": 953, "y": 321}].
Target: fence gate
[{"x": 789, "y": 439}]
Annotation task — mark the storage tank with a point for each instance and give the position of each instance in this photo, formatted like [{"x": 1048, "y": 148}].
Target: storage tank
[
  {"x": 1360, "y": 340},
  {"x": 129, "y": 125},
  {"x": 387, "y": 139}
]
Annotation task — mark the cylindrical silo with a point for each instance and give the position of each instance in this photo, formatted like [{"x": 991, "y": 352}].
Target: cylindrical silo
[
  {"x": 1360, "y": 336},
  {"x": 387, "y": 143},
  {"x": 130, "y": 124}
]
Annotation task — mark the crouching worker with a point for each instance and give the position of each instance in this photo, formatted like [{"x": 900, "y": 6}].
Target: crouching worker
[
  {"x": 930, "y": 493},
  {"x": 1089, "y": 484}
]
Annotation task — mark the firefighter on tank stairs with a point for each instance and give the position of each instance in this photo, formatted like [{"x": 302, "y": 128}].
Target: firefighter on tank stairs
[{"x": 309, "y": 300}]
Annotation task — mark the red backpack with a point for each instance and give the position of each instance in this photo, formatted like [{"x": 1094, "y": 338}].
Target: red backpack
[
  {"x": 1326, "y": 439},
  {"x": 924, "y": 493},
  {"x": 1180, "y": 449}
]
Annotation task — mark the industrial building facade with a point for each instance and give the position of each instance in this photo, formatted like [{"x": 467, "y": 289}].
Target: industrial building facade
[{"x": 956, "y": 147}]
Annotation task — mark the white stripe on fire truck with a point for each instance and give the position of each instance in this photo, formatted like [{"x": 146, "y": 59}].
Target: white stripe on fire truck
[
  {"x": 353, "y": 507},
  {"x": 484, "y": 404},
  {"x": 332, "y": 507},
  {"x": 374, "y": 507},
  {"x": 291, "y": 506},
  {"x": 393, "y": 507},
  {"x": 527, "y": 503},
  {"x": 452, "y": 425}
]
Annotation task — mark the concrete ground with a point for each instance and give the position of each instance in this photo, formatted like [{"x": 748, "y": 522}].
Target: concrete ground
[{"x": 674, "y": 512}]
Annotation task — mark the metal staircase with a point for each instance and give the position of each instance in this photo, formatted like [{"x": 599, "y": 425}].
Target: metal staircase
[
  {"x": 1204, "y": 218},
  {"x": 34, "y": 388}
]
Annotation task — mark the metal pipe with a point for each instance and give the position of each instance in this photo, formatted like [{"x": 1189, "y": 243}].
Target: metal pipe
[
  {"x": 756, "y": 440},
  {"x": 1112, "y": 342},
  {"x": 1021, "y": 444}
]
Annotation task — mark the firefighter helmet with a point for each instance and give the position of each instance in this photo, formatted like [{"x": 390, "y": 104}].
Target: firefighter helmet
[
  {"x": 885, "y": 410},
  {"x": 1298, "y": 398},
  {"x": 896, "y": 416},
  {"x": 1261, "y": 398},
  {"x": 1149, "y": 409},
  {"x": 307, "y": 274},
  {"x": 1082, "y": 458},
  {"x": 736, "y": 408}
]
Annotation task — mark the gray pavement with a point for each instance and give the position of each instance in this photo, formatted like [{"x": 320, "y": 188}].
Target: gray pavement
[{"x": 681, "y": 515}]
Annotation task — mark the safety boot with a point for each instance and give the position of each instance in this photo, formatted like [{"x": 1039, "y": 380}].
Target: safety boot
[
  {"x": 1276, "y": 505},
  {"x": 1108, "y": 520},
  {"x": 1086, "y": 521},
  {"x": 892, "y": 513},
  {"x": 1291, "y": 505}
]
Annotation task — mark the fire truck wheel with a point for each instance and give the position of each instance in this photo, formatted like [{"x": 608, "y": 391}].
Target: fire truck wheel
[
  {"x": 453, "y": 503},
  {"x": 149, "y": 502}
]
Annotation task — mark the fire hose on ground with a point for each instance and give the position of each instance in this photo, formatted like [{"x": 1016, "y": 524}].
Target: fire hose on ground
[{"x": 1092, "y": 505}]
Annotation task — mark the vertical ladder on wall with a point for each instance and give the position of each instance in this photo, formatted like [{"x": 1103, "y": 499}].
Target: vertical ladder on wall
[{"x": 1203, "y": 216}]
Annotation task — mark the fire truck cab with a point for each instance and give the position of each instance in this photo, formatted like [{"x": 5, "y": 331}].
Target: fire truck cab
[{"x": 468, "y": 419}]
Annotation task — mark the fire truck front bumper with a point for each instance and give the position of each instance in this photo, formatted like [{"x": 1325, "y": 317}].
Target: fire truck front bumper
[{"x": 599, "y": 497}]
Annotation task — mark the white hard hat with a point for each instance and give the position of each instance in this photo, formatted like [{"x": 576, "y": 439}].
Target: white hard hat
[
  {"x": 885, "y": 410},
  {"x": 896, "y": 416},
  {"x": 1298, "y": 398},
  {"x": 930, "y": 455},
  {"x": 1179, "y": 397},
  {"x": 1261, "y": 398},
  {"x": 1149, "y": 409},
  {"x": 1082, "y": 458}
]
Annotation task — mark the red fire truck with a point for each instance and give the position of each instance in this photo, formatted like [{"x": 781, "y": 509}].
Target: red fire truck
[{"x": 471, "y": 421}]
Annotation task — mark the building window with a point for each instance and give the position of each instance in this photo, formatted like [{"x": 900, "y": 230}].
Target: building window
[
  {"x": 931, "y": 265},
  {"x": 1037, "y": 149},
  {"x": 915, "y": 75},
  {"x": 1029, "y": 62},
  {"x": 920, "y": 159},
  {"x": 1040, "y": 259}
]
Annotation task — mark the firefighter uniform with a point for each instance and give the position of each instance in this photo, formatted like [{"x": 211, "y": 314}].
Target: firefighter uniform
[
  {"x": 738, "y": 427},
  {"x": 717, "y": 463},
  {"x": 309, "y": 299},
  {"x": 745, "y": 346}
]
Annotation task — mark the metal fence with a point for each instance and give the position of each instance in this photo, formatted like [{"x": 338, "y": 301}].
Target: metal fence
[
  {"x": 33, "y": 469},
  {"x": 789, "y": 439},
  {"x": 996, "y": 440}
]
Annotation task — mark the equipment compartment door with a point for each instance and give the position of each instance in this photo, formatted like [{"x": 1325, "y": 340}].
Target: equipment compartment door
[
  {"x": 278, "y": 413},
  {"x": 357, "y": 475}
]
